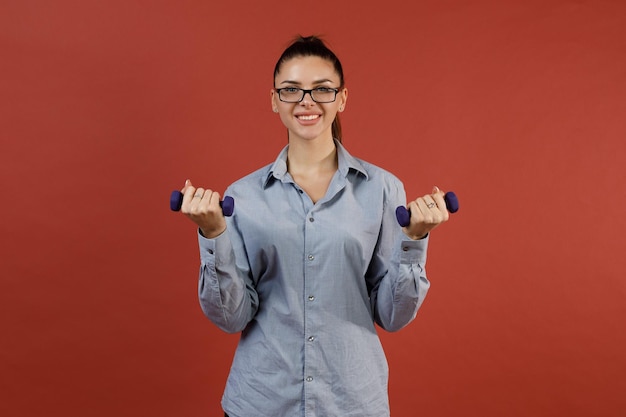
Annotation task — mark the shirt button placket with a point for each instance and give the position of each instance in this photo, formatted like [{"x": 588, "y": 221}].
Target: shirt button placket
[{"x": 310, "y": 358}]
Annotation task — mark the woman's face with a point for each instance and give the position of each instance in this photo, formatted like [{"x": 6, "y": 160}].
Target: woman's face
[{"x": 308, "y": 120}]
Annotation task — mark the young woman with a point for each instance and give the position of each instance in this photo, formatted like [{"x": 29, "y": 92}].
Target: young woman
[{"x": 311, "y": 259}]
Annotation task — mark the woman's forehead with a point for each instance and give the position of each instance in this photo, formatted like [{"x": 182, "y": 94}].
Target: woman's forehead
[{"x": 307, "y": 69}]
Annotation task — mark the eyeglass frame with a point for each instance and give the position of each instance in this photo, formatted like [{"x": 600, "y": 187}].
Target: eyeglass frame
[{"x": 304, "y": 93}]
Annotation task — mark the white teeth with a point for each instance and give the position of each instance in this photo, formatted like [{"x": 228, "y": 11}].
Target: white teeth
[{"x": 311, "y": 117}]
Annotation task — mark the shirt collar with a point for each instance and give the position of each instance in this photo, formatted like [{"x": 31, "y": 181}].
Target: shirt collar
[{"x": 346, "y": 162}]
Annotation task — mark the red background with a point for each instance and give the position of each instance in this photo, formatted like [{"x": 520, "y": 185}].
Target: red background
[{"x": 518, "y": 106}]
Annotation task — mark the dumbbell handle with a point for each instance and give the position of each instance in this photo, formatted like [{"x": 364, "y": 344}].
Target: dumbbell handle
[
  {"x": 404, "y": 215},
  {"x": 227, "y": 205}
]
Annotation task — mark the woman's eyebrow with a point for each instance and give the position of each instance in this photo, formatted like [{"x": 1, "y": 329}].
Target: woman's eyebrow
[{"x": 322, "y": 81}]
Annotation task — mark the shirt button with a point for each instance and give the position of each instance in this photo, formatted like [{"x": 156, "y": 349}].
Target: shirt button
[
  {"x": 311, "y": 297},
  {"x": 311, "y": 219},
  {"x": 309, "y": 378},
  {"x": 311, "y": 338},
  {"x": 405, "y": 248},
  {"x": 311, "y": 257}
]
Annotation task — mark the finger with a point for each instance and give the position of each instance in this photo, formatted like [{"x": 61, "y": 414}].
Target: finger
[
  {"x": 436, "y": 194},
  {"x": 187, "y": 184},
  {"x": 196, "y": 199},
  {"x": 197, "y": 196},
  {"x": 204, "y": 202},
  {"x": 191, "y": 199},
  {"x": 188, "y": 193},
  {"x": 441, "y": 205},
  {"x": 425, "y": 207},
  {"x": 430, "y": 202},
  {"x": 214, "y": 201},
  {"x": 199, "y": 192},
  {"x": 416, "y": 212},
  {"x": 210, "y": 204}
]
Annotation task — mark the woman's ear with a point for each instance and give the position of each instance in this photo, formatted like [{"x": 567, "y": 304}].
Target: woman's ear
[
  {"x": 343, "y": 98},
  {"x": 273, "y": 100}
]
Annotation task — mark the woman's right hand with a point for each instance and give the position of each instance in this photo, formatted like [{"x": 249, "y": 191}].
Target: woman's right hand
[{"x": 203, "y": 208}]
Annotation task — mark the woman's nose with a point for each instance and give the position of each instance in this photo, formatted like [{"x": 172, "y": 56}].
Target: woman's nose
[{"x": 307, "y": 99}]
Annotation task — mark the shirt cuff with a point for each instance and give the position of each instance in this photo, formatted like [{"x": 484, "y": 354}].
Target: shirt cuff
[
  {"x": 212, "y": 248},
  {"x": 413, "y": 251}
]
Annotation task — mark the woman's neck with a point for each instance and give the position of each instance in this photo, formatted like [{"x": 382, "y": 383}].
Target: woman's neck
[
  {"x": 312, "y": 165},
  {"x": 306, "y": 157}
]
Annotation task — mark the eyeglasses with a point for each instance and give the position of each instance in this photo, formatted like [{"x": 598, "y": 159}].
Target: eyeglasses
[{"x": 318, "y": 95}]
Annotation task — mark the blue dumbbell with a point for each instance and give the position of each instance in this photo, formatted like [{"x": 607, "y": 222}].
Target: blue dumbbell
[
  {"x": 227, "y": 205},
  {"x": 404, "y": 215}
]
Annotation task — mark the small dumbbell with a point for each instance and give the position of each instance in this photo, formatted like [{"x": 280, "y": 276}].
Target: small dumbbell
[
  {"x": 404, "y": 215},
  {"x": 227, "y": 205}
]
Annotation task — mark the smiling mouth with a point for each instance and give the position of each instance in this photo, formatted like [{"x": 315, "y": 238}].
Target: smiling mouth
[{"x": 308, "y": 116}]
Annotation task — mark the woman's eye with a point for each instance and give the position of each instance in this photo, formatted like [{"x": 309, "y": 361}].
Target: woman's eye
[
  {"x": 323, "y": 90},
  {"x": 290, "y": 90}
]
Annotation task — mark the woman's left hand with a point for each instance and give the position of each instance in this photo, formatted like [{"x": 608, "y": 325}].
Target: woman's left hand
[{"x": 427, "y": 212}]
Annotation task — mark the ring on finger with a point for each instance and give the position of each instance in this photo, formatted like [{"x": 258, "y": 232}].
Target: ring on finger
[{"x": 430, "y": 205}]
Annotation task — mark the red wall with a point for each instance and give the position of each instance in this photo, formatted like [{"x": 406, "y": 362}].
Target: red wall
[{"x": 518, "y": 106}]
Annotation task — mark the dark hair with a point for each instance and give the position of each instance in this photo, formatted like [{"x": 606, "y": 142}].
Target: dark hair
[{"x": 313, "y": 46}]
